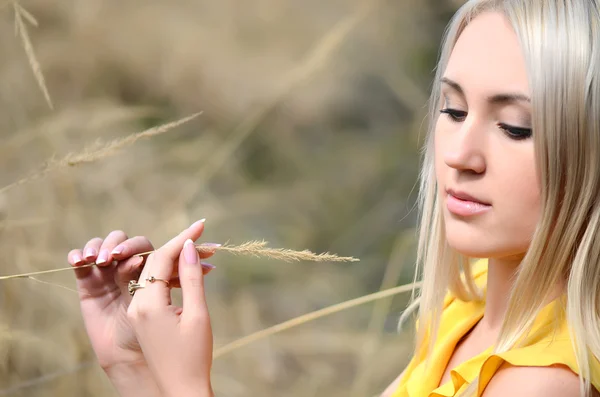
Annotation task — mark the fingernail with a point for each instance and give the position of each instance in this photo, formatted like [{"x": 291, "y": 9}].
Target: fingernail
[
  {"x": 118, "y": 250},
  {"x": 207, "y": 265},
  {"x": 211, "y": 245},
  {"x": 102, "y": 257},
  {"x": 197, "y": 223},
  {"x": 77, "y": 259},
  {"x": 90, "y": 252},
  {"x": 139, "y": 261},
  {"x": 189, "y": 252}
]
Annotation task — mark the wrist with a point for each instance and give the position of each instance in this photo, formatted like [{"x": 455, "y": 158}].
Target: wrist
[
  {"x": 190, "y": 391},
  {"x": 133, "y": 379}
]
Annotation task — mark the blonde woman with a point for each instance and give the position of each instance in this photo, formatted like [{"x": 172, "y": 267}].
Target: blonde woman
[{"x": 511, "y": 173}]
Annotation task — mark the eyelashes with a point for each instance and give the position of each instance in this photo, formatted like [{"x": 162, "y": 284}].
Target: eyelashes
[
  {"x": 454, "y": 115},
  {"x": 513, "y": 132},
  {"x": 517, "y": 133}
]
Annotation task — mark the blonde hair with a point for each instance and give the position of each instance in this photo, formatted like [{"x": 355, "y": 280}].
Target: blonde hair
[{"x": 561, "y": 45}]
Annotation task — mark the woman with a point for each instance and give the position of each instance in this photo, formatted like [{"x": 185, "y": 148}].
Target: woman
[{"x": 510, "y": 174}]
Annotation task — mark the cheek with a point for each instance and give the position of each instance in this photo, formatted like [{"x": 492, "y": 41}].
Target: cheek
[{"x": 518, "y": 201}]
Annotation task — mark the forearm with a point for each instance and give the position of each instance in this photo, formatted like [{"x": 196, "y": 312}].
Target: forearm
[{"x": 133, "y": 380}]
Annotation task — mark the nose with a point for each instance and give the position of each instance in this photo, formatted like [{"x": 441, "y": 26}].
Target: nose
[{"x": 465, "y": 148}]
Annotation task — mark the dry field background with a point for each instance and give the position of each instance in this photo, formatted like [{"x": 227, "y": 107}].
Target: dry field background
[{"x": 309, "y": 138}]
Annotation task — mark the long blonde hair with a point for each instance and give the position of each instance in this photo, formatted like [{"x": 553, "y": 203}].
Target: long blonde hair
[{"x": 561, "y": 44}]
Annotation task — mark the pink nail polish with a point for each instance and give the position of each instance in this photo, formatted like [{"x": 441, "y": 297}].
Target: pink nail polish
[
  {"x": 77, "y": 259},
  {"x": 211, "y": 245},
  {"x": 189, "y": 252},
  {"x": 90, "y": 253},
  {"x": 118, "y": 250},
  {"x": 102, "y": 257},
  {"x": 197, "y": 223},
  {"x": 208, "y": 266}
]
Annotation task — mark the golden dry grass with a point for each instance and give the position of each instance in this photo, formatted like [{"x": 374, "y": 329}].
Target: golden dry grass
[{"x": 308, "y": 138}]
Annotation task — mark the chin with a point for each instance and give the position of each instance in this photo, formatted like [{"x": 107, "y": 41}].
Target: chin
[
  {"x": 475, "y": 243},
  {"x": 471, "y": 242},
  {"x": 468, "y": 249}
]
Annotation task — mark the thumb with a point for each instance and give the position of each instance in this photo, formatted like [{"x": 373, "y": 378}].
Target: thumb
[{"x": 191, "y": 279}]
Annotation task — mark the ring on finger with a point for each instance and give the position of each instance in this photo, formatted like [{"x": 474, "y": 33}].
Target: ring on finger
[
  {"x": 133, "y": 286},
  {"x": 152, "y": 279}
]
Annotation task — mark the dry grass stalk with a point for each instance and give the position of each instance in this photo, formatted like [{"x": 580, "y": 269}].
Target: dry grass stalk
[
  {"x": 236, "y": 344},
  {"x": 246, "y": 340},
  {"x": 97, "y": 151},
  {"x": 259, "y": 249},
  {"x": 21, "y": 31},
  {"x": 253, "y": 248},
  {"x": 53, "y": 284}
]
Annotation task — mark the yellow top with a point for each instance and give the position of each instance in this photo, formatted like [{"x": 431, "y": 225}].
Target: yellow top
[{"x": 544, "y": 347}]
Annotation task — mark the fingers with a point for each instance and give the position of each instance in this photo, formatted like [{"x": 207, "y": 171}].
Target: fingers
[
  {"x": 206, "y": 268},
  {"x": 191, "y": 278},
  {"x": 126, "y": 270},
  {"x": 79, "y": 257},
  {"x": 208, "y": 250},
  {"x": 133, "y": 246},
  {"x": 161, "y": 265},
  {"x": 91, "y": 249},
  {"x": 75, "y": 257},
  {"x": 113, "y": 239}
]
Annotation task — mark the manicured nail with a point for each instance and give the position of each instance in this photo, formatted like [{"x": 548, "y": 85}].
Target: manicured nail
[
  {"x": 207, "y": 265},
  {"x": 102, "y": 257},
  {"x": 136, "y": 263},
  {"x": 211, "y": 245},
  {"x": 90, "y": 252},
  {"x": 77, "y": 259},
  {"x": 189, "y": 252},
  {"x": 197, "y": 223},
  {"x": 118, "y": 250}
]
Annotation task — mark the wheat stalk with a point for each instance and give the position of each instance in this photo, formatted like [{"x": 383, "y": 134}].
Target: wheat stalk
[
  {"x": 97, "y": 151},
  {"x": 253, "y": 248},
  {"x": 259, "y": 249},
  {"x": 21, "y": 31},
  {"x": 294, "y": 322}
]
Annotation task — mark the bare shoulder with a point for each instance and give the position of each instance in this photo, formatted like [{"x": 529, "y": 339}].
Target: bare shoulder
[{"x": 552, "y": 381}]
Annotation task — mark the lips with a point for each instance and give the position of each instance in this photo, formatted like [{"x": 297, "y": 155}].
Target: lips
[
  {"x": 465, "y": 197},
  {"x": 464, "y": 204}
]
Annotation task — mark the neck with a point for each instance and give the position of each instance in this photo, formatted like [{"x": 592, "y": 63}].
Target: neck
[
  {"x": 501, "y": 273},
  {"x": 500, "y": 277}
]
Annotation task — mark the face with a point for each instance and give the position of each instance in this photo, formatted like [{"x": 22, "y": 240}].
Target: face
[{"x": 484, "y": 152}]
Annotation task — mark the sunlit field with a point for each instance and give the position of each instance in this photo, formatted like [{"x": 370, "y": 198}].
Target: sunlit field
[{"x": 311, "y": 120}]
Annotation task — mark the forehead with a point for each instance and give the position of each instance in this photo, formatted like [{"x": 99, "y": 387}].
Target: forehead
[{"x": 487, "y": 57}]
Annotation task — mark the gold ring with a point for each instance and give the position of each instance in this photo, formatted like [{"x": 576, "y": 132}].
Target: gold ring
[
  {"x": 133, "y": 286},
  {"x": 152, "y": 279}
]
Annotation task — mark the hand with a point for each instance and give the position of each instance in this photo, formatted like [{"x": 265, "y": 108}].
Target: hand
[
  {"x": 177, "y": 342},
  {"x": 103, "y": 294}
]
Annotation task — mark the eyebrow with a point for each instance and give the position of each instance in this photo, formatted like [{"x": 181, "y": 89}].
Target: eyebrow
[{"x": 501, "y": 98}]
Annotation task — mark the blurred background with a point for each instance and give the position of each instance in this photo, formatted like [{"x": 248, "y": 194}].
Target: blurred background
[{"x": 313, "y": 117}]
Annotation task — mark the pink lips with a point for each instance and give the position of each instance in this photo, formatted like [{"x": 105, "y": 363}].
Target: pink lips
[{"x": 464, "y": 205}]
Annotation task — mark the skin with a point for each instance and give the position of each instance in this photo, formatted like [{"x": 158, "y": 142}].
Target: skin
[
  {"x": 148, "y": 342},
  {"x": 473, "y": 154},
  {"x": 114, "y": 320}
]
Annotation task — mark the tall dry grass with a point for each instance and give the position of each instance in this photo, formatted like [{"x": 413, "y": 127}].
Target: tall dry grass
[{"x": 308, "y": 138}]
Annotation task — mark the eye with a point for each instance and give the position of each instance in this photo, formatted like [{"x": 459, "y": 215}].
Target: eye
[
  {"x": 516, "y": 133},
  {"x": 454, "y": 115}
]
